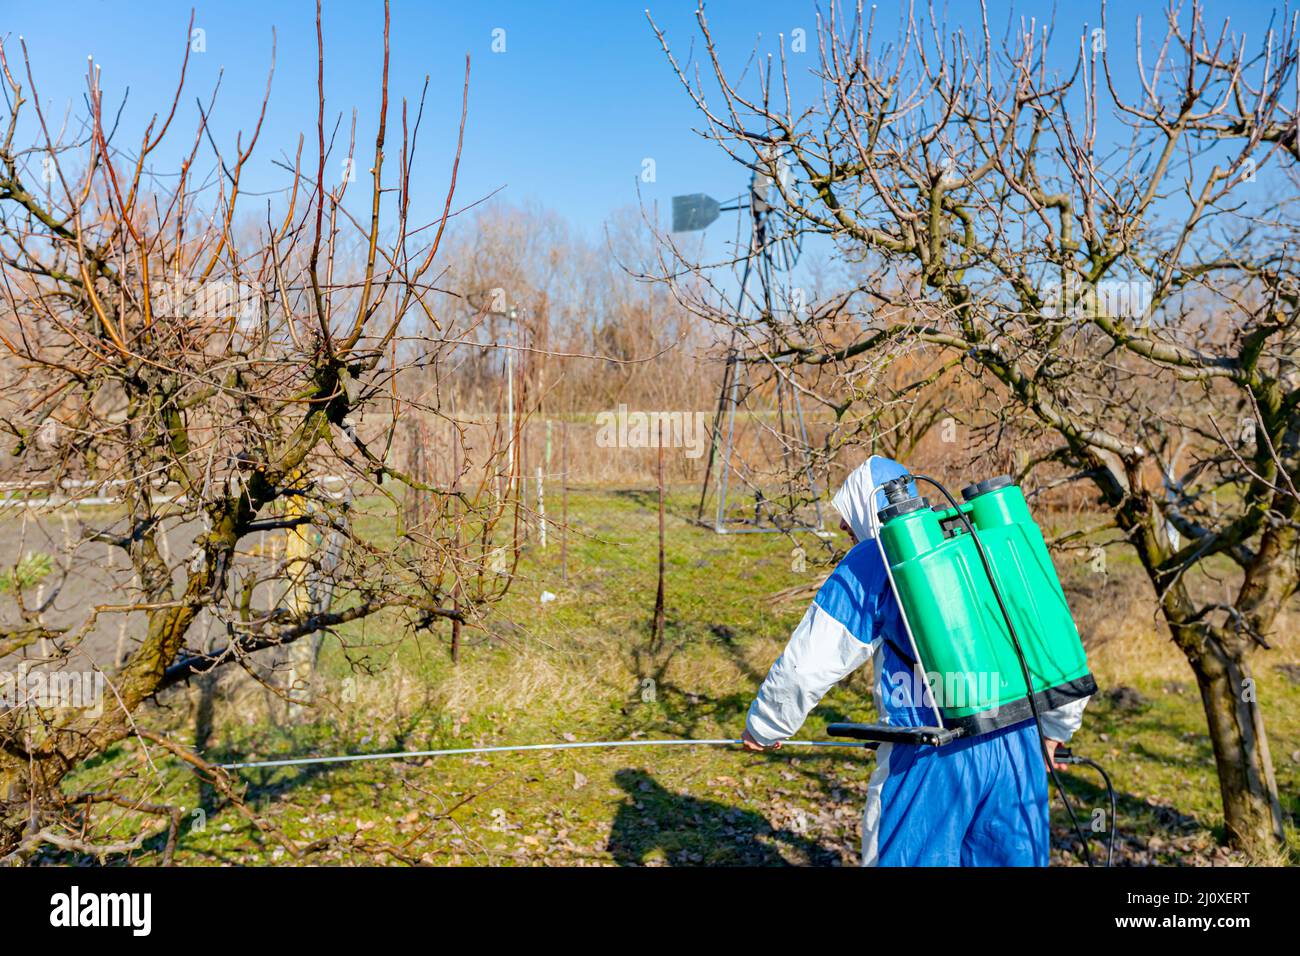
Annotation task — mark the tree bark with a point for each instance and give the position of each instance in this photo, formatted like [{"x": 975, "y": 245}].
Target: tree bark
[{"x": 1252, "y": 813}]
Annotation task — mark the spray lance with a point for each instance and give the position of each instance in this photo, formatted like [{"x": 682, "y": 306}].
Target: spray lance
[{"x": 1006, "y": 635}]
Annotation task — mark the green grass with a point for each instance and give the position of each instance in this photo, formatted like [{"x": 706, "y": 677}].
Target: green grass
[
  {"x": 576, "y": 669},
  {"x": 32, "y": 568}
]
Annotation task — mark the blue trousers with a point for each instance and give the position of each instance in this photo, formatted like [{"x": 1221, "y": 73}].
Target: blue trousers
[{"x": 975, "y": 802}]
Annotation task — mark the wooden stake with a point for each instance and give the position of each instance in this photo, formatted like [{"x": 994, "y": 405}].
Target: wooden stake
[
  {"x": 564, "y": 503},
  {"x": 657, "y": 643},
  {"x": 459, "y": 551}
]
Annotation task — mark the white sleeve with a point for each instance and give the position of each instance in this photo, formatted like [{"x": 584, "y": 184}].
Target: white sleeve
[
  {"x": 1060, "y": 723},
  {"x": 821, "y": 652}
]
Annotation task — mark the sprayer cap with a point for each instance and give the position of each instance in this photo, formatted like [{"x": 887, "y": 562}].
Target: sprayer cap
[
  {"x": 987, "y": 485},
  {"x": 906, "y": 506}
]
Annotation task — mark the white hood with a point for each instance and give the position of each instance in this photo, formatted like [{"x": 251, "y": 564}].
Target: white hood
[{"x": 861, "y": 493}]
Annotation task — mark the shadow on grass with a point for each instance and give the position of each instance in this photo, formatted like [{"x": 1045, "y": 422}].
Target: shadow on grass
[
  {"x": 264, "y": 786},
  {"x": 648, "y": 499},
  {"x": 658, "y": 827}
]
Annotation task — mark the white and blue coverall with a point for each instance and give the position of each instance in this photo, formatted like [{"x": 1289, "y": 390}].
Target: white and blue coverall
[{"x": 978, "y": 801}]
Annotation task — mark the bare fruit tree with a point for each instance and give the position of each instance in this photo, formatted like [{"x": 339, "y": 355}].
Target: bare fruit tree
[
  {"x": 212, "y": 363},
  {"x": 1114, "y": 268}
]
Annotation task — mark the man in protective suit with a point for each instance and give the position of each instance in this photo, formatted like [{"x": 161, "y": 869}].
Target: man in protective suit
[{"x": 978, "y": 801}]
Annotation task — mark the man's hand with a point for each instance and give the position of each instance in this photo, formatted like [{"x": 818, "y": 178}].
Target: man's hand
[
  {"x": 1051, "y": 752},
  {"x": 751, "y": 744}
]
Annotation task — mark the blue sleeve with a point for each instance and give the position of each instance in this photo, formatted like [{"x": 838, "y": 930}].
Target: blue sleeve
[
  {"x": 837, "y": 635},
  {"x": 853, "y": 592}
]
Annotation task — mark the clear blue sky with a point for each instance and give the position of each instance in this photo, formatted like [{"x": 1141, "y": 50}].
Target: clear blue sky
[{"x": 564, "y": 117}]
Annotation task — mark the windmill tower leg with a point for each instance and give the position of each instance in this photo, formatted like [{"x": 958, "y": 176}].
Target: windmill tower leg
[
  {"x": 724, "y": 474},
  {"x": 807, "y": 458},
  {"x": 722, "y": 451},
  {"x": 715, "y": 433}
]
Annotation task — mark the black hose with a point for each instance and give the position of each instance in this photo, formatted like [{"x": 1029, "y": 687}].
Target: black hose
[
  {"x": 1072, "y": 758},
  {"x": 1024, "y": 667}
]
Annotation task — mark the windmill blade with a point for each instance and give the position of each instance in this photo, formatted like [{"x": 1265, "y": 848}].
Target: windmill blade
[{"x": 694, "y": 212}]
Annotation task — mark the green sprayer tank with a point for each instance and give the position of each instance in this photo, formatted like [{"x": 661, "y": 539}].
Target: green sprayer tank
[{"x": 960, "y": 633}]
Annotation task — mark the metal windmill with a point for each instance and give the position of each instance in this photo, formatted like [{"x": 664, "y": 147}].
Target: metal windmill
[{"x": 774, "y": 246}]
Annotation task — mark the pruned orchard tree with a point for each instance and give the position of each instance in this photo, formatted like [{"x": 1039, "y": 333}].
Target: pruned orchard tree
[
  {"x": 206, "y": 358},
  {"x": 1113, "y": 261}
]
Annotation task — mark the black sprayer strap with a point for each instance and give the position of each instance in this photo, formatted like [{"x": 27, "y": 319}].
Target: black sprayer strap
[{"x": 908, "y": 659}]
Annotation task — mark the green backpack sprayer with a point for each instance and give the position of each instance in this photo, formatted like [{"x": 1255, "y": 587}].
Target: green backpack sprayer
[
  {"x": 985, "y": 615},
  {"x": 954, "y": 607}
]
